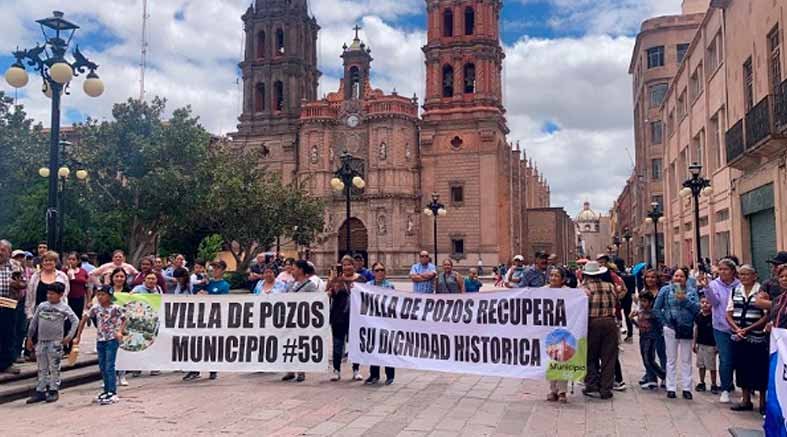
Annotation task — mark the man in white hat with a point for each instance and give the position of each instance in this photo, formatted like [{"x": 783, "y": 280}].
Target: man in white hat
[
  {"x": 602, "y": 331},
  {"x": 514, "y": 274}
]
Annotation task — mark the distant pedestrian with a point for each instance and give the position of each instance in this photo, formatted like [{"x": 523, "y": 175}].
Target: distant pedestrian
[
  {"x": 149, "y": 286},
  {"x": 423, "y": 273},
  {"x": 286, "y": 274},
  {"x": 78, "y": 296},
  {"x": 480, "y": 266},
  {"x": 535, "y": 276},
  {"x": 110, "y": 324},
  {"x": 182, "y": 281},
  {"x": 513, "y": 276},
  {"x": 47, "y": 329}
]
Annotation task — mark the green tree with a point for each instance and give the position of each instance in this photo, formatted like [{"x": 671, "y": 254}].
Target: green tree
[
  {"x": 249, "y": 206},
  {"x": 210, "y": 247},
  {"x": 145, "y": 170}
]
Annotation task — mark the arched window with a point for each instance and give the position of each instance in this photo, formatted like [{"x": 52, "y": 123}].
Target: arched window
[
  {"x": 448, "y": 23},
  {"x": 279, "y": 41},
  {"x": 355, "y": 82},
  {"x": 469, "y": 20},
  {"x": 469, "y": 75},
  {"x": 259, "y": 97},
  {"x": 260, "y": 44},
  {"x": 278, "y": 96},
  {"x": 448, "y": 81}
]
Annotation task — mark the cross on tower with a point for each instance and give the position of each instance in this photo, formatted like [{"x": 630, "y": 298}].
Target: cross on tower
[{"x": 356, "y": 29}]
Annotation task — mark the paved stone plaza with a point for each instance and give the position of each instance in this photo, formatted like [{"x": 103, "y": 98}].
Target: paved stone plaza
[{"x": 419, "y": 404}]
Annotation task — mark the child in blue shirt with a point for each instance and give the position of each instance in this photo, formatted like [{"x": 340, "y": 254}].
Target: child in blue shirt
[
  {"x": 217, "y": 285},
  {"x": 472, "y": 283}
]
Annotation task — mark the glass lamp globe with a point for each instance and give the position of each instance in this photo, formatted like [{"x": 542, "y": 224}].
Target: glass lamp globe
[
  {"x": 428, "y": 212},
  {"x": 662, "y": 219},
  {"x": 16, "y": 76},
  {"x": 61, "y": 73},
  {"x": 707, "y": 191},
  {"x": 685, "y": 192},
  {"x": 43, "y": 172},
  {"x": 359, "y": 182},
  {"x": 81, "y": 175},
  {"x": 442, "y": 212},
  {"x": 337, "y": 184},
  {"x": 649, "y": 220},
  {"x": 63, "y": 172},
  {"x": 93, "y": 86}
]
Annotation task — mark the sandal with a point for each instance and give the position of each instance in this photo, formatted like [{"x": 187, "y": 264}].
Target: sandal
[
  {"x": 562, "y": 398},
  {"x": 552, "y": 397}
]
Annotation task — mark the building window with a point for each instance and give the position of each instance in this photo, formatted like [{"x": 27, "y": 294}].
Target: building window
[
  {"x": 656, "y": 132},
  {"x": 280, "y": 41},
  {"x": 774, "y": 59},
  {"x": 682, "y": 49},
  {"x": 457, "y": 195},
  {"x": 469, "y": 21},
  {"x": 659, "y": 199},
  {"x": 712, "y": 56},
  {"x": 748, "y": 85},
  {"x": 695, "y": 83},
  {"x": 655, "y": 169},
  {"x": 672, "y": 178},
  {"x": 259, "y": 98},
  {"x": 703, "y": 223},
  {"x": 448, "y": 81},
  {"x": 657, "y": 93},
  {"x": 355, "y": 82},
  {"x": 682, "y": 107},
  {"x": 260, "y": 45},
  {"x": 457, "y": 248},
  {"x": 656, "y": 57},
  {"x": 448, "y": 23},
  {"x": 722, "y": 244},
  {"x": 715, "y": 145},
  {"x": 278, "y": 96},
  {"x": 699, "y": 150},
  {"x": 671, "y": 123},
  {"x": 723, "y": 215},
  {"x": 469, "y": 74}
]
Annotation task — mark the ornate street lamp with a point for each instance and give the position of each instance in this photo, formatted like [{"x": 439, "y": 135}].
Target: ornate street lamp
[
  {"x": 345, "y": 178},
  {"x": 696, "y": 186},
  {"x": 627, "y": 238},
  {"x": 655, "y": 216},
  {"x": 63, "y": 174},
  {"x": 616, "y": 242},
  {"x": 435, "y": 209},
  {"x": 57, "y": 72}
]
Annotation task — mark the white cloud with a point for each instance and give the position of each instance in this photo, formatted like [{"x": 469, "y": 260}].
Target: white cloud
[{"x": 580, "y": 84}]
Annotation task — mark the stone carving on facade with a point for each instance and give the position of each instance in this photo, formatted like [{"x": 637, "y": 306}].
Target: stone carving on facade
[
  {"x": 407, "y": 153},
  {"x": 331, "y": 153},
  {"x": 381, "y": 228},
  {"x": 410, "y": 230},
  {"x": 314, "y": 156},
  {"x": 383, "y": 154},
  {"x": 328, "y": 223}
]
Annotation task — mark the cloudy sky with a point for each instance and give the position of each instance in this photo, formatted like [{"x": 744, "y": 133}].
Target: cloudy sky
[{"x": 567, "y": 88}]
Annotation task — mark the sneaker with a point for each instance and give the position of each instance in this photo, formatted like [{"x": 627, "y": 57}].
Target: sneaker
[
  {"x": 337, "y": 375},
  {"x": 725, "y": 397},
  {"x": 38, "y": 396},
  {"x": 371, "y": 381},
  {"x": 100, "y": 396},
  {"x": 687, "y": 395},
  {"x": 671, "y": 395},
  {"x": 52, "y": 396},
  {"x": 591, "y": 393},
  {"x": 389, "y": 381},
  {"x": 701, "y": 387},
  {"x": 122, "y": 381},
  {"x": 12, "y": 370},
  {"x": 155, "y": 372},
  {"x": 650, "y": 385},
  {"x": 288, "y": 377},
  {"x": 357, "y": 375},
  {"x": 301, "y": 377},
  {"x": 213, "y": 375},
  {"x": 190, "y": 376},
  {"x": 619, "y": 386},
  {"x": 715, "y": 389}
]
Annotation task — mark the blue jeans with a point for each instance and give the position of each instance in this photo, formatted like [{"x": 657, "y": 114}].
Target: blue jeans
[
  {"x": 107, "y": 353},
  {"x": 648, "y": 348},
  {"x": 724, "y": 345}
]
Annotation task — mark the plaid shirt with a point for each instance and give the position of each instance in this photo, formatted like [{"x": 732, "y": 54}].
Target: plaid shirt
[
  {"x": 6, "y": 270},
  {"x": 602, "y": 299}
]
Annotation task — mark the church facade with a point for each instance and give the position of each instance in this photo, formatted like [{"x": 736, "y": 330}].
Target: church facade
[{"x": 456, "y": 147}]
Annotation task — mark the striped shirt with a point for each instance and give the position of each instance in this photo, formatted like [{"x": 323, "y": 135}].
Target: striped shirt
[{"x": 744, "y": 312}]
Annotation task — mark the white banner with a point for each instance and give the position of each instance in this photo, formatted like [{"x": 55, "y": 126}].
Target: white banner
[
  {"x": 775, "y": 423},
  {"x": 274, "y": 332},
  {"x": 525, "y": 333}
]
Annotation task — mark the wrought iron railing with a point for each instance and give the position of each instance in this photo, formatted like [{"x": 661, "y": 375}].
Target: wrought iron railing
[
  {"x": 759, "y": 122},
  {"x": 780, "y": 106},
  {"x": 735, "y": 141}
]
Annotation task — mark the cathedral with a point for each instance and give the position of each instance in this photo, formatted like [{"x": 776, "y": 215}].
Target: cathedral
[{"x": 455, "y": 145}]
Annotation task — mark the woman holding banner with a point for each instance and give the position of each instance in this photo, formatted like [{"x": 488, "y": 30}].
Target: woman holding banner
[
  {"x": 449, "y": 281},
  {"x": 750, "y": 342},
  {"x": 302, "y": 273},
  {"x": 378, "y": 269},
  {"x": 557, "y": 389},
  {"x": 339, "y": 290}
]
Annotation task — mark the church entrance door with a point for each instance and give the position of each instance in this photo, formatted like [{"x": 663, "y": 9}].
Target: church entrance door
[{"x": 359, "y": 239}]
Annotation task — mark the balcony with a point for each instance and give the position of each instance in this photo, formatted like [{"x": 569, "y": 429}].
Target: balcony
[{"x": 759, "y": 134}]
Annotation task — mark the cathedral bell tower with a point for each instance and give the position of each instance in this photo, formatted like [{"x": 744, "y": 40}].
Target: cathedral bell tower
[
  {"x": 357, "y": 63},
  {"x": 465, "y": 154},
  {"x": 279, "y": 72}
]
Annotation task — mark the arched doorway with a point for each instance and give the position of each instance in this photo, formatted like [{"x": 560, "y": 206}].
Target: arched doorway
[{"x": 359, "y": 239}]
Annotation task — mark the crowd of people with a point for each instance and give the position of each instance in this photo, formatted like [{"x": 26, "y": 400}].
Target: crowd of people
[{"x": 718, "y": 321}]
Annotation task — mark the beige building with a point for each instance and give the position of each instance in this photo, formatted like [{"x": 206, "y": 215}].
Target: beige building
[
  {"x": 725, "y": 110},
  {"x": 595, "y": 232},
  {"x": 660, "y": 48}
]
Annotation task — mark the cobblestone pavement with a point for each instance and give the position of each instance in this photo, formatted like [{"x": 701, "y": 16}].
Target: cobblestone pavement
[{"x": 418, "y": 404}]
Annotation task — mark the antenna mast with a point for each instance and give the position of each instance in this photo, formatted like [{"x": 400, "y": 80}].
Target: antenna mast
[{"x": 144, "y": 55}]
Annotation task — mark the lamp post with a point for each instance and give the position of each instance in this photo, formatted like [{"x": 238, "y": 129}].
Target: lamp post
[
  {"x": 627, "y": 238},
  {"x": 655, "y": 216},
  {"x": 63, "y": 173},
  {"x": 344, "y": 179},
  {"x": 435, "y": 209},
  {"x": 616, "y": 243},
  {"x": 57, "y": 72},
  {"x": 696, "y": 186}
]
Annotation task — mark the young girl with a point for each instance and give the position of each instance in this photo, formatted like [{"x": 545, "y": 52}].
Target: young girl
[
  {"x": 557, "y": 389},
  {"x": 110, "y": 325}
]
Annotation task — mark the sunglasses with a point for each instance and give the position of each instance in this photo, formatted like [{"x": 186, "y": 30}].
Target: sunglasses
[{"x": 379, "y": 270}]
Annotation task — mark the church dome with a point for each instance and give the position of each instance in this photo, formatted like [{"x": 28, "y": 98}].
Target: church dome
[{"x": 587, "y": 214}]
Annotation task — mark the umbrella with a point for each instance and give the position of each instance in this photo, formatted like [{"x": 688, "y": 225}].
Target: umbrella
[{"x": 638, "y": 268}]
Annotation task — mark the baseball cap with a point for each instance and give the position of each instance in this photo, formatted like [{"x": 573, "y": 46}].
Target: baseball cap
[
  {"x": 17, "y": 253},
  {"x": 519, "y": 258}
]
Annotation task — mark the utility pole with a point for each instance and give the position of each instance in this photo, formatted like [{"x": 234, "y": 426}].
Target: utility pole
[{"x": 144, "y": 54}]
